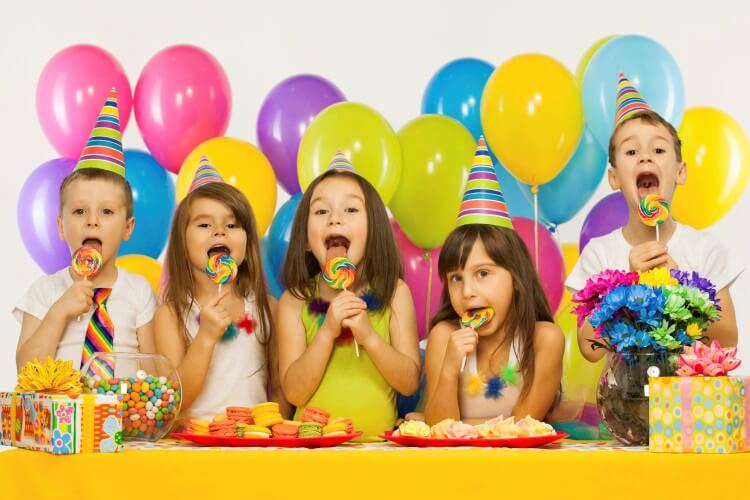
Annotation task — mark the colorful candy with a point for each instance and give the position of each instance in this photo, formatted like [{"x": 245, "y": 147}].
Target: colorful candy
[
  {"x": 221, "y": 268},
  {"x": 86, "y": 262},
  {"x": 653, "y": 210},
  {"x": 340, "y": 273},
  {"x": 475, "y": 318}
]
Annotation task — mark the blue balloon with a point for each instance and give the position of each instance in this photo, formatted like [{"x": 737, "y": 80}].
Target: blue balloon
[
  {"x": 272, "y": 283},
  {"x": 647, "y": 64},
  {"x": 456, "y": 91},
  {"x": 153, "y": 204},
  {"x": 280, "y": 233},
  {"x": 561, "y": 198},
  {"x": 518, "y": 205}
]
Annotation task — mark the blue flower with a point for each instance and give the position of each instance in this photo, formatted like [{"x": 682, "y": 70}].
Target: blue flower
[{"x": 61, "y": 442}]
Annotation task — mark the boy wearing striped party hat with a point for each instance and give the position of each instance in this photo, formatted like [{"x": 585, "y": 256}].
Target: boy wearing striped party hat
[
  {"x": 493, "y": 347},
  {"x": 646, "y": 165},
  {"x": 74, "y": 312}
]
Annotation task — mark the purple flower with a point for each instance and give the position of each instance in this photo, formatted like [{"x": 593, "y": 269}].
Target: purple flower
[{"x": 693, "y": 279}]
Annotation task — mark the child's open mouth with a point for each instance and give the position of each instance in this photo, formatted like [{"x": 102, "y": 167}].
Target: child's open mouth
[
  {"x": 218, "y": 250},
  {"x": 647, "y": 183},
  {"x": 336, "y": 246},
  {"x": 94, "y": 243}
]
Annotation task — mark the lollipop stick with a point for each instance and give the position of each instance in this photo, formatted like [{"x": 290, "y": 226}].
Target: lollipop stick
[
  {"x": 219, "y": 288},
  {"x": 463, "y": 364},
  {"x": 657, "y": 232},
  {"x": 356, "y": 345},
  {"x": 79, "y": 316}
]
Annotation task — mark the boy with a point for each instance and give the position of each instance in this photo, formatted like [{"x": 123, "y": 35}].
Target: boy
[{"x": 645, "y": 158}]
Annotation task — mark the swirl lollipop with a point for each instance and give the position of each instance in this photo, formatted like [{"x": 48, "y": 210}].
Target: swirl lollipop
[
  {"x": 221, "y": 268},
  {"x": 475, "y": 318},
  {"x": 653, "y": 211},
  {"x": 341, "y": 273},
  {"x": 86, "y": 262}
]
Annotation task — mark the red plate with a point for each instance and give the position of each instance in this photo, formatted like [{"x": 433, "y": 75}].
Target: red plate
[
  {"x": 518, "y": 442},
  {"x": 307, "y": 442}
]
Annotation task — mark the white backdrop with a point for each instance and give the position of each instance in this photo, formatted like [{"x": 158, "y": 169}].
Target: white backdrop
[{"x": 380, "y": 53}]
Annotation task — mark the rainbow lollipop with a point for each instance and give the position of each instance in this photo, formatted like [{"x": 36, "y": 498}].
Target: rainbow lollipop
[
  {"x": 475, "y": 318},
  {"x": 653, "y": 211},
  {"x": 221, "y": 268},
  {"x": 86, "y": 262},
  {"x": 341, "y": 273}
]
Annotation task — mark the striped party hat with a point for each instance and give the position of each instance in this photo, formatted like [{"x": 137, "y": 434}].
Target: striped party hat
[
  {"x": 483, "y": 201},
  {"x": 205, "y": 174},
  {"x": 341, "y": 163},
  {"x": 629, "y": 100},
  {"x": 104, "y": 148}
]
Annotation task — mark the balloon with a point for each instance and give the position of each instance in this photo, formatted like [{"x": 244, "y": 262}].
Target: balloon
[
  {"x": 38, "y": 206},
  {"x": 648, "y": 65},
  {"x": 532, "y": 116},
  {"x": 570, "y": 257},
  {"x": 551, "y": 269},
  {"x": 456, "y": 90},
  {"x": 71, "y": 92},
  {"x": 182, "y": 99},
  {"x": 513, "y": 192},
  {"x": 422, "y": 278},
  {"x": 280, "y": 233},
  {"x": 243, "y": 166},
  {"x": 285, "y": 115},
  {"x": 581, "y": 176},
  {"x": 718, "y": 164},
  {"x": 437, "y": 153},
  {"x": 610, "y": 213},
  {"x": 363, "y": 135},
  {"x": 143, "y": 265},
  {"x": 583, "y": 64},
  {"x": 153, "y": 204},
  {"x": 272, "y": 283}
]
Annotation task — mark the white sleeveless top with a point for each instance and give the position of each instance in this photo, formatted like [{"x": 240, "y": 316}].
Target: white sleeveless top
[
  {"x": 238, "y": 373},
  {"x": 486, "y": 408}
]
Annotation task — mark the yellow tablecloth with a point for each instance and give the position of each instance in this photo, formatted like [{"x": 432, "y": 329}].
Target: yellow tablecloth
[{"x": 570, "y": 470}]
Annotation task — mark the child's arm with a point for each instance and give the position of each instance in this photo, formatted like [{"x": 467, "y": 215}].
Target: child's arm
[
  {"x": 145, "y": 334},
  {"x": 399, "y": 361},
  {"x": 40, "y": 338},
  {"x": 585, "y": 334},
  {"x": 446, "y": 350},
  {"x": 193, "y": 362},
  {"x": 724, "y": 330},
  {"x": 277, "y": 394},
  {"x": 549, "y": 346}
]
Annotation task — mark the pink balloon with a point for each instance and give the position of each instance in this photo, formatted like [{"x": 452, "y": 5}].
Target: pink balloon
[
  {"x": 71, "y": 92},
  {"x": 425, "y": 292},
  {"x": 182, "y": 99},
  {"x": 551, "y": 268}
]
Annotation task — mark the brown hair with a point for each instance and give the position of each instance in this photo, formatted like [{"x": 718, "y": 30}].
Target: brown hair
[
  {"x": 651, "y": 118},
  {"x": 381, "y": 266},
  {"x": 179, "y": 290},
  {"x": 92, "y": 174},
  {"x": 528, "y": 302}
]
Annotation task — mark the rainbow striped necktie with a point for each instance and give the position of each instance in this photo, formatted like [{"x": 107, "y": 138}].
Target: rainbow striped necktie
[{"x": 99, "y": 336}]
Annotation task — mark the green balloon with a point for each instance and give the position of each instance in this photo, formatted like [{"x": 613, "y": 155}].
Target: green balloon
[{"x": 584, "y": 62}]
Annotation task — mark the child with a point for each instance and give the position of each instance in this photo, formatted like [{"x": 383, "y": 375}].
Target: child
[
  {"x": 513, "y": 363},
  {"x": 645, "y": 158},
  {"x": 341, "y": 214},
  {"x": 221, "y": 341},
  {"x": 96, "y": 211}
]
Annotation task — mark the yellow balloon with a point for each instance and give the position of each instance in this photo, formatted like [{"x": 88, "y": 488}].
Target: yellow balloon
[
  {"x": 717, "y": 155},
  {"x": 365, "y": 137},
  {"x": 143, "y": 265},
  {"x": 580, "y": 376},
  {"x": 243, "y": 166},
  {"x": 532, "y": 116},
  {"x": 570, "y": 257},
  {"x": 584, "y": 62}
]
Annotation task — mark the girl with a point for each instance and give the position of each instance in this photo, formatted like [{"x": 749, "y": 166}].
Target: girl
[
  {"x": 514, "y": 361},
  {"x": 221, "y": 342},
  {"x": 341, "y": 214}
]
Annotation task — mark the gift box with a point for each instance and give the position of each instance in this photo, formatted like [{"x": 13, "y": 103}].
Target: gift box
[
  {"x": 698, "y": 414},
  {"x": 59, "y": 424}
]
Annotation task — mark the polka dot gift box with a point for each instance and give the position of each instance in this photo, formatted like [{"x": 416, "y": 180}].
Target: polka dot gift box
[{"x": 703, "y": 410}]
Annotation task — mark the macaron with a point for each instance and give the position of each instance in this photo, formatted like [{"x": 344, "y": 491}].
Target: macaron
[
  {"x": 335, "y": 429},
  {"x": 241, "y": 427},
  {"x": 265, "y": 407},
  {"x": 312, "y": 414},
  {"x": 196, "y": 426},
  {"x": 310, "y": 429},
  {"x": 284, "y": 431},
  {"x": 347, "y": 421},
  {"x": 223, "y": 428},
  {"x": 257, "y": 431},
  {"x": 240, "y": 414},
  {"x": 268, "y": 419}
]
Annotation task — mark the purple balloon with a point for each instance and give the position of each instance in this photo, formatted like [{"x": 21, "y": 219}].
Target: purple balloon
[
  {"x": 284, "y": 116},
  {"x": 610, "y": 213},
  {"x": 38, "y": 206}
]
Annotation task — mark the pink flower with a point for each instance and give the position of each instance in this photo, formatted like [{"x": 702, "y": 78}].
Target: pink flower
[
  {"x": 713, "y": 361},
  {"x": 596, "y": 288},
  {"x": 64, "y": 413}
]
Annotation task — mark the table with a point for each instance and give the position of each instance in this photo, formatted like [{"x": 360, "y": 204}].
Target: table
[{"x": 169, "y": 470}]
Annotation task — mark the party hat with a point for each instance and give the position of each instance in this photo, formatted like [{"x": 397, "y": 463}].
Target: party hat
[
  {"x": 341, "y": 164},
  {"x": 483, "y": 201},
  {"x": 204, "y": 174},
  {"x": 629, "y": 101},
  {"x": 104, "y": 147}
]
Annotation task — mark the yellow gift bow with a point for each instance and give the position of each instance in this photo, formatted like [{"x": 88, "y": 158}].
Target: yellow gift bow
[{"x": 51, "y": 376}]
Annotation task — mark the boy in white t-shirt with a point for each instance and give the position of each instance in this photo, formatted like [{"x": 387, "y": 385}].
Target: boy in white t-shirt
[
  {"x": 645, "y": 158},
  {"x": 96, "y": 210}
]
